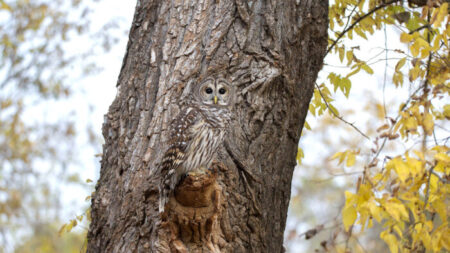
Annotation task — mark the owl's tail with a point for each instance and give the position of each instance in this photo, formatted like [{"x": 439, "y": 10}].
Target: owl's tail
[
  {"x": 163, "y": 198},
  {"x": 167, "y": 186}
]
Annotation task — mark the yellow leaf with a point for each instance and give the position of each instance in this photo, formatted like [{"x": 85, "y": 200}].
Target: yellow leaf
[
  {"x": 398, "y": 230},
  {"x": 307, "y": 126},
  {"x": 5, "y": 6},
  {"x": 422, "y": 43},
  {"x": 357, "y": 69},
  {"x": 368, "y": 69},
  {"x": 390, "y": 240},
  {"x": 350, "y": 198},
  {"x": 88, "y": 214},
  {"x": 425, "y": 53},
  {"x": 411, "y": 123},
  {"x": 414, "y": 73},
  {"x": 437, "y": 42},
  {"x": 440, "y": 238},
  {"x": 442, "y": 13},
  {"x": 300, "y": 155},
  {"x": 360, "y": 33},
  {"x": 350, "y": 159},
  {"x": 349, "y": 55},
  {"x": 341, "y": 53},
  {"x": 375, "y": 211},
  {"x": 415, "y": 48},
  {"x": 398, "y": 78},
  {"x": 442, "y": 158},
  {"x": 400, "y": 64},
  {"x": 405, "y": 37},
  {"x": 397, "y": 211},
  {"x": 348, "y": 216},
  {"x": 340, "y": 155},
  {"x": 62, "y": 229},
  {"x": 350, "y": 34},
  {"x": 426, "y": 239},
  {"x": 441, "y": 209},
  {"x": 400, "y": 168},
  {"x": 72, "y": 224},
  {"x": 336, "y": 155},
  {"x": 447, "y": 111}
]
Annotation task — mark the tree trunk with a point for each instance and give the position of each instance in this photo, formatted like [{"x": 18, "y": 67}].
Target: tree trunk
[{"x": 271, "y": 52}]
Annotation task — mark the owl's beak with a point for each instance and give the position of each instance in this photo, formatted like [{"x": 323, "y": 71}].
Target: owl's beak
[{"x": 215, "y": 99}]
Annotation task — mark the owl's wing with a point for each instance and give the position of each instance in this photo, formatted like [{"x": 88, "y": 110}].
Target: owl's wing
[{"x": 175, "y": 155}]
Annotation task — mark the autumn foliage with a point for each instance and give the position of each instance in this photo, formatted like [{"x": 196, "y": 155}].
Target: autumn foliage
[{"x": 406, "y": 193}]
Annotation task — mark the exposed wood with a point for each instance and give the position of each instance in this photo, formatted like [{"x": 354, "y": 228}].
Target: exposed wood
[{"x": 271, "y": 52}]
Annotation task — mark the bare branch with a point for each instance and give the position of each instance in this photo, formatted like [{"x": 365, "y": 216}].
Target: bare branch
[
  {"x": 339, "y": 117},
  {"x": 370, "y": 12}
]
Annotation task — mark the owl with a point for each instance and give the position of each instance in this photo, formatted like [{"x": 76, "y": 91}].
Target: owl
[{"x": 196, "y": 134}]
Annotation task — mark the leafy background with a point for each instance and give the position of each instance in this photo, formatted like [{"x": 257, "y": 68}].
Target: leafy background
[{"x": 373, "y": 162}]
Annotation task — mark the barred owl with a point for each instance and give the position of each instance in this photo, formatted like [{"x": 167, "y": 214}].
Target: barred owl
[{"x": 196, "y": 134}]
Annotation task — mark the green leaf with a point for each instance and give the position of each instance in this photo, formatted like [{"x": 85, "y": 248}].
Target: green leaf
[
  {"x": 300, "y": 155},
  {"x": 360, "y": 33},
  {"x": 400, "y": 64},
  {"x": 366, "y": 68},
  {"x": 341, "y": 51},
  {"x": 413, "y": 23}
]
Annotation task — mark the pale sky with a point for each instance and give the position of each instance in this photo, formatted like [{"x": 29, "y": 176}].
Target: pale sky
[{"x": 100, "y": 91}]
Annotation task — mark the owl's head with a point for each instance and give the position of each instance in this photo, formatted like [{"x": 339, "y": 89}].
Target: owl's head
[{"x": 215, "y": 92}]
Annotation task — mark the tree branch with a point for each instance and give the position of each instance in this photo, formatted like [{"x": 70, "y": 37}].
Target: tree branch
[
  {"x": 339, "y": 117},
  {"x": 359, "y": 20}
]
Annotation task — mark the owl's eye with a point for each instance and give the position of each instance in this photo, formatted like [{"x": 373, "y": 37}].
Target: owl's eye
[
  {"x": 208, "y": 90},
  {"x": 222, "y": 91}
]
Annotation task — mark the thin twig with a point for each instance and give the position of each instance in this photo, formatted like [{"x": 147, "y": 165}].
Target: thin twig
[
  {"x": 359, "y": 20},
  {"x": 339, "y": 117},
  {"x": 425, "y": 88},
  {"x": 420, "y": 28},
  {"x": 390, "y": 130},
  {"x": 396, "y": 119},
  {"x": 385, "y": 73},
  {"x": 350, "y": 15},
  {"x": 434, "y": 138}
]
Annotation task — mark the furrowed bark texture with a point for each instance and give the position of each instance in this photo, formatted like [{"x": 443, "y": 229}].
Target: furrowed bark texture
[{"x": 271, "y": 52}]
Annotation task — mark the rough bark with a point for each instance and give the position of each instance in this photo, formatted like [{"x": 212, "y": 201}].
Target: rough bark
[{"x": 271, "y": 52}]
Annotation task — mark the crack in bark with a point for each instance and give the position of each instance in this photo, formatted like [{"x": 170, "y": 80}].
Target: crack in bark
[{"x": 171, "y": 49}]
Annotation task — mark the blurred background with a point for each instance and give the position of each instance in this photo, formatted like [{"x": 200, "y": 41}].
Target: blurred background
[{"x": 58, "y": 69}]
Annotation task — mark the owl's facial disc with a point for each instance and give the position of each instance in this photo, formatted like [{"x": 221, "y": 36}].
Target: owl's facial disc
[
  {"x": 222, "y": 93},
  {"x": 207, "y": 93},
  {"x": 215, "y": 93}
]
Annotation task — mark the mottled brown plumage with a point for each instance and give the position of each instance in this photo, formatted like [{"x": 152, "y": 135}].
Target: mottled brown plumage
[{"x": 196, "y": 134}]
